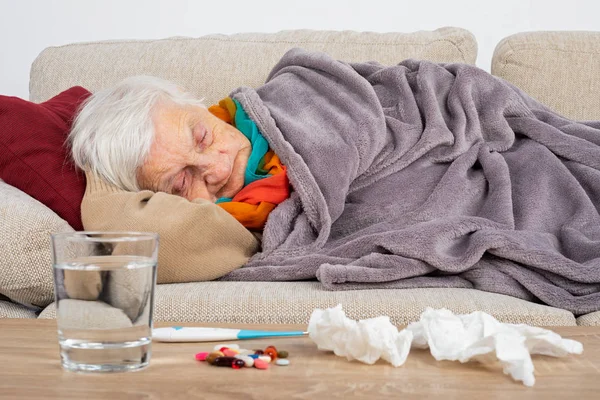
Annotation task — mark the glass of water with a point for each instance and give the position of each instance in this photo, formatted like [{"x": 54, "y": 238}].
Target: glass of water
[{"x": 104, "y": 290}]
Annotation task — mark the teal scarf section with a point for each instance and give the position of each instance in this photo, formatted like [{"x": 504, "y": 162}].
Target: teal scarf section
[{"x": 259, "y": 144}]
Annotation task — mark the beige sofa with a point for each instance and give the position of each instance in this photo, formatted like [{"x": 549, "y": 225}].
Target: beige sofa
[{"x": 560, "y": 69}]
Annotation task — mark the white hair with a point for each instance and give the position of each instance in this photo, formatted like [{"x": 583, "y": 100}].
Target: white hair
[{"x": 113, "y": 131}]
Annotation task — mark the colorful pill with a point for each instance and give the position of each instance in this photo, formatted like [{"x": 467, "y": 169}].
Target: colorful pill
[
  {"x": 224, "y": 361},
  {"x": 253, "y": 356},
  {"x": 282, "y": 354},
  {"x": 201, "y": 356},
  {"x": 282, "y": 362},
  {"x": 259, "y": 351},
  {"x": 213, "y": 356},
  {"x": 260, "y": 364},
  {"x": 266, "y": 359},
  {"x": 271, "y": 352},
  {"x": 248, "y": 361},
  {"x": 229, "y": 353},
  {"x": 238, "y": 364}
]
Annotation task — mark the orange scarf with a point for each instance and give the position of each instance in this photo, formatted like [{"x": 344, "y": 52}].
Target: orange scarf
[{"x": 251, "y": 206}]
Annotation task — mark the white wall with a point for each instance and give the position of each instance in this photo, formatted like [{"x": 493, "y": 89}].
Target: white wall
[{"x": 28, "y": 26}]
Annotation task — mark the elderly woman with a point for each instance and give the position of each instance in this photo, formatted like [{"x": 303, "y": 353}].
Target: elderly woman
[
  {"x": 414, "y": 175},
  {"x": 147, "y": 136}
]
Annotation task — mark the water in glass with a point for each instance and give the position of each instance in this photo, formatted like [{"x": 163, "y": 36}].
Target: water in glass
[{"x": 104, "y": 312}]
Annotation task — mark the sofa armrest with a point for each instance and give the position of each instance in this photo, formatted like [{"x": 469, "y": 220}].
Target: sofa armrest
[{"x": 559, "y": 69}]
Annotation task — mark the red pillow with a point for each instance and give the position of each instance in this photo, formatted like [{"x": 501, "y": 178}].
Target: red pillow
[{"x": 33, "y": 155}]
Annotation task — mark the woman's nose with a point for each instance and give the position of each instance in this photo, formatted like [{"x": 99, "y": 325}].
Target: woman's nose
[
  {"x": 218, "y": 174},
  {"x": 214, "y": 167}
]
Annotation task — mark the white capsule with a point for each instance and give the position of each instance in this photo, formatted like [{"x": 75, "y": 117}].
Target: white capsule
[{"x": 266, "y": 359}]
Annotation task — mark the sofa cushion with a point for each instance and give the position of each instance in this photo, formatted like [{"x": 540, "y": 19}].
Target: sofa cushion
[
  {"x": 560, "y": 69},
  {"x": 25, "y": 256},
  {"x": 79, "y": 314},
  {"x": 591, "y": 319},
  {"x": 33, "y": 154},
  {"x": 211, "y": 66},
  {"x": 12, "y": 310},
  {"x": 293, "y": 303}
]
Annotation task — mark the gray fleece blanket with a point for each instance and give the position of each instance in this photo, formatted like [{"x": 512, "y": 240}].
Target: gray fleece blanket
[{"x": 426, "y": 175}]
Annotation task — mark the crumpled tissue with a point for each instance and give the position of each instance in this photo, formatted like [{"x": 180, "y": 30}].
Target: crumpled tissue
[
  {"x": 477, "y": 336},
  {"x": 367, "y": 340}
]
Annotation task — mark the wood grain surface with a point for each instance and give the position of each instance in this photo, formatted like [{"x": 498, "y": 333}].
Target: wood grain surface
[{"x": 31, "y": 370}]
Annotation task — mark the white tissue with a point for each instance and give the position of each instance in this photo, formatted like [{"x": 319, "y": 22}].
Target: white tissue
[
  {"x": 476, "y": 336},
  {"x": 367, "y": 340}
]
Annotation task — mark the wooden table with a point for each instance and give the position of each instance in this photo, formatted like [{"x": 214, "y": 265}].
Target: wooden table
[{"x": 30, "y": 369}]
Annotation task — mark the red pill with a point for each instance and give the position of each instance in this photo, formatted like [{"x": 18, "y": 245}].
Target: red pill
[
  {"x": 259, "y": 352},
  {"x": 224, "y": 361},
  {"x": 238, "y": 364},
  {"x": 222, "y": 349},
  {"x": 201, "y": 356}
]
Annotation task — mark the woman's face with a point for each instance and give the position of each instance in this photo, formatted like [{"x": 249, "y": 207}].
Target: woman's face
[{"x": 194, "y": 154}]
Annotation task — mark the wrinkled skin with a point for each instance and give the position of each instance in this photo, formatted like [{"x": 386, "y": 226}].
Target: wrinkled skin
[{"x": 194, "y": 154}]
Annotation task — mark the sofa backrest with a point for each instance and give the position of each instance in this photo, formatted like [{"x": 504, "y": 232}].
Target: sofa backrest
[
  {"x": 560, "y": 69},
  {"x": 211, "y": 66}
]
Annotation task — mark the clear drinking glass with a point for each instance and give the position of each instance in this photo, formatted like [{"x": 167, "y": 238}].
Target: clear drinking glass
[{"x": 104, "y": 290}]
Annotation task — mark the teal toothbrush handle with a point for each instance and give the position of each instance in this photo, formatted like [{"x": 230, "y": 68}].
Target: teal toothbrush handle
[{"x": 248, "y": 334}]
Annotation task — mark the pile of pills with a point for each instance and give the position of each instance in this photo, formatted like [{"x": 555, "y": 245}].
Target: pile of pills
[{"x": 230, "y": 355}]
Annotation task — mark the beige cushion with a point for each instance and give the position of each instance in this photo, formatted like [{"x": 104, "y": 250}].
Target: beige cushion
[
  {"x": 211, "y": 66},
  {"x": 79, "y": 314},
  {"x": 25, "y": 257},
  {"x": 12, "y": 310},
  {"x": 293, "y": 302},
  {"x": 591, "y": 319},
  {"x": 560, "y": 69}
]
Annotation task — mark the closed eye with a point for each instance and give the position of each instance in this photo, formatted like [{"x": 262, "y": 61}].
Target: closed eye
[
  {"x": 200, "y": 134},
  {"x": 179, "y": 184}
]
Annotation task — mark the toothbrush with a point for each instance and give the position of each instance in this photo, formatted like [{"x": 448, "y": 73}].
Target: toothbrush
[{"x": 191, "y": 334}]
